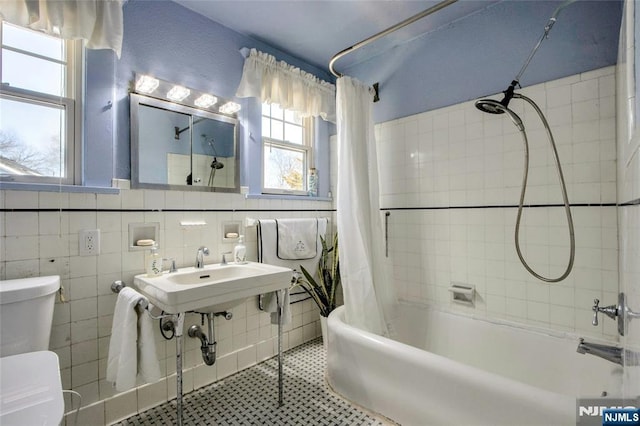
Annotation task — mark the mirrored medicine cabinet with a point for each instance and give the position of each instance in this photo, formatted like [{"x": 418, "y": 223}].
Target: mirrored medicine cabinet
[{"x": 177, "y": 147}]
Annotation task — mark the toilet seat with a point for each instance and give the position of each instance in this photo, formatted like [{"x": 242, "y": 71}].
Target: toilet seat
[{"x": 30, "y": 389}]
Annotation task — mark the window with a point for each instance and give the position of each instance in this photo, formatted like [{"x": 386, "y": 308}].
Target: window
[
  {"x": 39, "y": 115},
  {"x": 287, "y": 146}
]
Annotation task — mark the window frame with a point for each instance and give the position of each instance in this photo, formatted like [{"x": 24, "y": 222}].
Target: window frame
[
  {"x": 307, "y": 147},
  {"x": 71, "y": 103}
]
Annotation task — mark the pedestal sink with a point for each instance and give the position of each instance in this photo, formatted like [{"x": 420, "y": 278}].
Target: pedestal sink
[{"x": 214, "y": 288}]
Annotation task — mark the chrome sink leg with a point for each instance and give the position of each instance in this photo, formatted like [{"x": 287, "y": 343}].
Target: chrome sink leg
[
  {"x": 179, "y": 329},
  {"x": 279, "y": 297}
]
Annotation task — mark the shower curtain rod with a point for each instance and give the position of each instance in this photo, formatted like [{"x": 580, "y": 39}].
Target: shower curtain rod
[{"x": 383, "y": 33}]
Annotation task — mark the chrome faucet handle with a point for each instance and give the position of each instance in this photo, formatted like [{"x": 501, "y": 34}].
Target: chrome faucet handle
[
  {"x": 610, "y": 311},
  {"x": 202, "y": 251},
  {"x": 173, "y": 268},
  {"x": 595, "y": 308}
]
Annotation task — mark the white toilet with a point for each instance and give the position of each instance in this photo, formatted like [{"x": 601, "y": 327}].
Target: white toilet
[{"x": 30, "y": 386}]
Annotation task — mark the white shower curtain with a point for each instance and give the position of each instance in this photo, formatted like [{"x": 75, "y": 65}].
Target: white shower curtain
[{"x": 368, "y": 292}]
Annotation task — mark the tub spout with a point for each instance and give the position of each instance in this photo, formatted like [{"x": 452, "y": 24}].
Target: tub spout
[{"x": 610, "y": 353}]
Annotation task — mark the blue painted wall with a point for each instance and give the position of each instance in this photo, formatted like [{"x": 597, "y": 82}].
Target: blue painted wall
[
  {"x": 474, "y": 57},
  {"x": 481, "y": 54},
  {"x": 170, "y": 42}
]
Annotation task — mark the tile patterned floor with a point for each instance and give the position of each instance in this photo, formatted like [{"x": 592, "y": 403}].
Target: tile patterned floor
[{"x": 250, "y": 397}]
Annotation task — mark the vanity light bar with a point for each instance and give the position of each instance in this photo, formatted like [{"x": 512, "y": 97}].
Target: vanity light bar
[
  {"x": 178, "y": 93},
  {"x": 165, "y": 90},
  {"x": 205, "y": 101},
  {"x": 146, "y": 84},
  {"x": 230, "y": 108}
]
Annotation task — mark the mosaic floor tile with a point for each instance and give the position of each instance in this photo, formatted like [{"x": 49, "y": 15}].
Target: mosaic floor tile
[{"x": 250, "y": 397}]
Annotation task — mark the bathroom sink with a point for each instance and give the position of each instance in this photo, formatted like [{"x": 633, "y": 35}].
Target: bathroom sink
[{"x": 214, "y": 288}]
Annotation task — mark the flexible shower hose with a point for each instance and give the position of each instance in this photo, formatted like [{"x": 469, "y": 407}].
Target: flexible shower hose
[{"x": 567, "y": 207}]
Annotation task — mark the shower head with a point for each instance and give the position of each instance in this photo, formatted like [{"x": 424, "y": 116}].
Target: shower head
[
  {"x": 216, "y": 165},
  {"x": 500, "y": 107},
  {"x": 491, "y": 106},
  {"x": 494, "y": 107}
]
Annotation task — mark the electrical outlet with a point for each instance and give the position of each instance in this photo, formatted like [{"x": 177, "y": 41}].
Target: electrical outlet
[{"x": 89, "y": 242}]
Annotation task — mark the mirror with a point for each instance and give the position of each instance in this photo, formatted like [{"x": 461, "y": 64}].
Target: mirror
[{"x": 178, "y": 147}]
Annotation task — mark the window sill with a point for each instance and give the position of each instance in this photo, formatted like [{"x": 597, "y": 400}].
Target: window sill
[
  {"x": 45, "y": 187},
  {"x": 287, "y": 197}
]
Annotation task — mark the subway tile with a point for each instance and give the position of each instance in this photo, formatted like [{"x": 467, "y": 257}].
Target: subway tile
[
  {"x": 82, "y": 331},
  {"x": 79, "y": 200},
  {"x": 90, "y": 392},
  {"x": 227, "y": 365},
  {"x": 108, "y": 221},
  {"x": 53, "y": 223},
  {"x": 20, "y": 199},
  {"x": 21, "y": 223},
  {"x": 20, "y": 247},
  {"x": 52, "y": 246},
  {"x": 108, "y": 201},
  {"x": 21, "y": 269},
  {"x": 152, "y": 394},
  {"x": 53, "y": 200},
  {"x": 92, "y": 415},
  {"x": 79, "y": 221},
  {"x": 584, "y": 90},
  {"x": 121, "y": 406},
  {"x": 82, "y": 374}
]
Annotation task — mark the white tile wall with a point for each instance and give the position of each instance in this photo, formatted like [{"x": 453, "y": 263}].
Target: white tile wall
[
  {"x": 458, "y": 157},
  {"x": 46, "y": 242}
]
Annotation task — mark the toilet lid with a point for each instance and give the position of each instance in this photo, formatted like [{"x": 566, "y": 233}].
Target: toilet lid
[{"x": 30, "y": 389}]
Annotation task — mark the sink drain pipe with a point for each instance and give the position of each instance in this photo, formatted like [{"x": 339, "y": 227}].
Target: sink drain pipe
[{"x": 208, "y": 341}]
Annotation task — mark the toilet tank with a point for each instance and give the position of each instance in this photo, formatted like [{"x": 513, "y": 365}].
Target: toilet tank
[{"x": 26, "y": 314}]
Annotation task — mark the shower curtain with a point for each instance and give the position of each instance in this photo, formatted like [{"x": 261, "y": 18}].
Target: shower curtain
[{"x": 369, "y": 297}]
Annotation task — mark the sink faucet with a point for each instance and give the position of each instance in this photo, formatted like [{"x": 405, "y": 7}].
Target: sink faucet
[{"x": 202, "y": 251}]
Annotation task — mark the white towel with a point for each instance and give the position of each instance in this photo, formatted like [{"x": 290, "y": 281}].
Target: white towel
[
  {"x": 267, "y": 251},
  {"x": 297, "y": 238},
  {"x": 122, "y": 362},
  {"x": 148, "y": 364},
  {"x": 271, "y": 305}
]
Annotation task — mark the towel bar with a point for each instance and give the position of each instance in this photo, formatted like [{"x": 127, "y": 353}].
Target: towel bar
[{"x": 118, "y": 285}]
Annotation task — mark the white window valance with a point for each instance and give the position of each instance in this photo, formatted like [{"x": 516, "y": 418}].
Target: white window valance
[
  {"x": 98, "y": 22},
  {"x": 277, "y": 82}
]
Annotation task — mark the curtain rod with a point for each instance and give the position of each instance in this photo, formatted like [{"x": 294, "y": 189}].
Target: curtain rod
[{"x": 383, "y": 33}]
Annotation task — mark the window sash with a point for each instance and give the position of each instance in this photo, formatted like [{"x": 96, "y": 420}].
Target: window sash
[
  {"x": 306, "y": 147},
  {"x": 287, "y": 146},
  {"x": 67, "y": 139},
  {"x": 71, "y": 103}
]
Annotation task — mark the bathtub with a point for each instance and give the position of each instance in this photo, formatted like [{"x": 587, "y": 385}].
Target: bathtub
[{"x": 446, "y": 368}]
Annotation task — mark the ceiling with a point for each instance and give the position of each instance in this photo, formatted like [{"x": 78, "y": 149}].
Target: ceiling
[
  {"x": 469, "y": 49},
  {"x": 315, "y": 30}
]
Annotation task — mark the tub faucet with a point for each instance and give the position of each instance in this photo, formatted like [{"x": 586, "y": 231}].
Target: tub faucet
[
  {"x": 610, "y": 353},
  {"x": 202, "y": 251}
]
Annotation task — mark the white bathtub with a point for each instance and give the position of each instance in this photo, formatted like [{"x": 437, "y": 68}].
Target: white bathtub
[{"x": 453, "y": 369}]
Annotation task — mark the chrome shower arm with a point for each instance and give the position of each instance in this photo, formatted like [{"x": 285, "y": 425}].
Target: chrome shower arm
[{"x": 545, "y": 34}]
